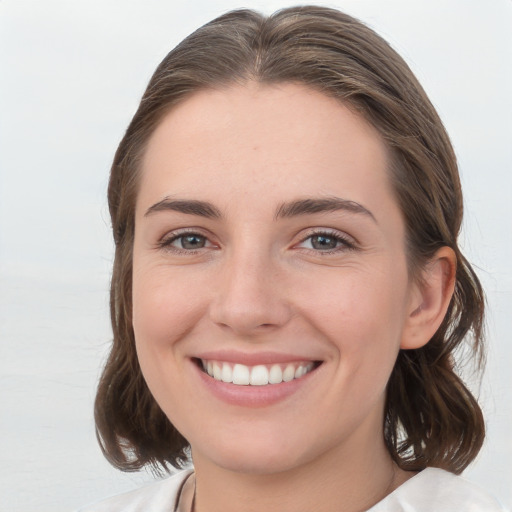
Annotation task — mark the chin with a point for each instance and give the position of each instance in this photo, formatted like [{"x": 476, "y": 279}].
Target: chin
[
  {"x": 255, "y": 463},
  {"x": 256, "y": 455}
]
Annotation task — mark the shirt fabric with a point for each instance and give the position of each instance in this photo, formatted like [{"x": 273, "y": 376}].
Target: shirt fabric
[{"x": 431, "y": 490}]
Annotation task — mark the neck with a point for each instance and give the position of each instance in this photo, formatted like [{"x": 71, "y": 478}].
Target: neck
[{"x": 334, "y": 482}]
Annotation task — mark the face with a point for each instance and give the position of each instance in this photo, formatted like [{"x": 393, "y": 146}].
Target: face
[{"x": 270, "y": 283}]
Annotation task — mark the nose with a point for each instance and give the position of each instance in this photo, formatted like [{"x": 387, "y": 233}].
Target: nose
[{"x": 250, "y": 297}]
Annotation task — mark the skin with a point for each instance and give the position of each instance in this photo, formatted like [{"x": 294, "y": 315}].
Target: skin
[{"x": 258, "y": 283}]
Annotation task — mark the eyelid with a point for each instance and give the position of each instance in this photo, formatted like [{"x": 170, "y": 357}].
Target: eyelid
[
  {"x": 348, "y": 242},
  {"x": 165, "y": 241}
]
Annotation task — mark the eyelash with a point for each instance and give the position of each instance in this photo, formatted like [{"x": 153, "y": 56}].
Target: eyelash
[
  {"x": 167, "y": 241},
  {"x": 343, "y": 243}
]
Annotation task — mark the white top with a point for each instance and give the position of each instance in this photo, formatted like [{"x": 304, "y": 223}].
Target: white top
[{"x": 432, "y": 490}]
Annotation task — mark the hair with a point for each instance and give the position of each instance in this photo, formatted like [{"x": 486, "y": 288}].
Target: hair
[{"x": 431, "y": 418}]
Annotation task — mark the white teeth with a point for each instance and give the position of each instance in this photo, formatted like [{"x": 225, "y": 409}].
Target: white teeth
[
  {"x": 259, "y": 375},
  {"x": 289, "y": 373},
  {"x": 227, "y": 373},
  {"x": 240, "y": 375},
  {"x": 217, "y": 371},
  {"x": 276, "y": 374}
]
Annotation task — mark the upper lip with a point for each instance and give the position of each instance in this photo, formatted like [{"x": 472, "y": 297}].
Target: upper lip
[{"x": 252, "y": 359}]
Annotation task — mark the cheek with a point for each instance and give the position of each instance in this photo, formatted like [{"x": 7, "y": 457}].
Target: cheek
[
  {"x": 361, "y": 315},
  {"x": 163, "y": 307},
  {"x": 357, "y": 307},
  {"x": 164, "y": 312},
  {"x": 362, "y": 318}
]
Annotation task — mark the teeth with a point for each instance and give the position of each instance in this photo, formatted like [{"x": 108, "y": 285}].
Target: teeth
[
  {"x": 241, "y": 375},
  {"x": 276, "y": 374},
  {"x": 259, "y": 375},
  {"x": 217, "y": 371},
  {"x": 227, "y": 373},
  {"x": 289, "y": 373}
]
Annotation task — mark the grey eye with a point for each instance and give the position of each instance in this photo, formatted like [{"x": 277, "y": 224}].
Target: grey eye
[
  {"x": 190, "y": 241},
  {"x": 324, "y": 242}
]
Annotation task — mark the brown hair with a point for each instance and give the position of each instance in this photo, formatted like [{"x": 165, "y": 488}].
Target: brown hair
[{"x": 431, "y": 418}]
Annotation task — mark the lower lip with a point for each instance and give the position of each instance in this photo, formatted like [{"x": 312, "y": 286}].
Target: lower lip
[{"x": 252, "y": 396}]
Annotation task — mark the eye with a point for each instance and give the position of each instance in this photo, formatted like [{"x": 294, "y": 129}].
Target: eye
[
  {"x": 184, "y": 242},
  {"x": 190, "y": 241},
  {"x": 326, "y": 242}
]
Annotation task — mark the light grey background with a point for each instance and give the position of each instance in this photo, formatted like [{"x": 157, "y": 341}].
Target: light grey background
[{"x": 71, "y": 75}]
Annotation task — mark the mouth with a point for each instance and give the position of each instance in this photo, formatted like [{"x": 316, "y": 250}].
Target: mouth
[{"x": 257, "y": 375}]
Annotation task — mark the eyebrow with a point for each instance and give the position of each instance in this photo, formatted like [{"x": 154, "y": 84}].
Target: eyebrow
[
  {"x": 190, "y": 206},
  {"x": 286, "y": 210},
  {"x": 320, "y": 205}
]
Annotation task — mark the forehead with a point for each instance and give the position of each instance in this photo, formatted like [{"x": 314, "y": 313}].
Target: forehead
[{"x": 257, "y": 137}]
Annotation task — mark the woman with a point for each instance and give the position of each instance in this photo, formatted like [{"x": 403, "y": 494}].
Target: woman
[{"x": 288, "y": 291}]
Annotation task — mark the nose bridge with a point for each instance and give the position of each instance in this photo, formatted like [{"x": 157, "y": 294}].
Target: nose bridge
[{"x": 249, "y": 296}]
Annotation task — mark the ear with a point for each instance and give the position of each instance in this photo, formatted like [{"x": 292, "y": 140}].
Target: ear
[{"x": 429, "y": 299}]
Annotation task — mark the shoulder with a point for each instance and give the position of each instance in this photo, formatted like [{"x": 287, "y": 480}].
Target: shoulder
[
  {"x": 156, "y": 497},
  {"x": 439, "y": 490}
]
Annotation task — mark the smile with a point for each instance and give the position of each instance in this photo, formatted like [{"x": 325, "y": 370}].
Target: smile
[{"x": 258, "y": 375}]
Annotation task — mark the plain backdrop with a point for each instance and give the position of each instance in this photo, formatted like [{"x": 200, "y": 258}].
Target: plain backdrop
[{"x": 71, "y": 75}]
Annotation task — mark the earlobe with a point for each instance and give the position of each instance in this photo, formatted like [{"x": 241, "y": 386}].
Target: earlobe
[{"x": 429, "y": 299}]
